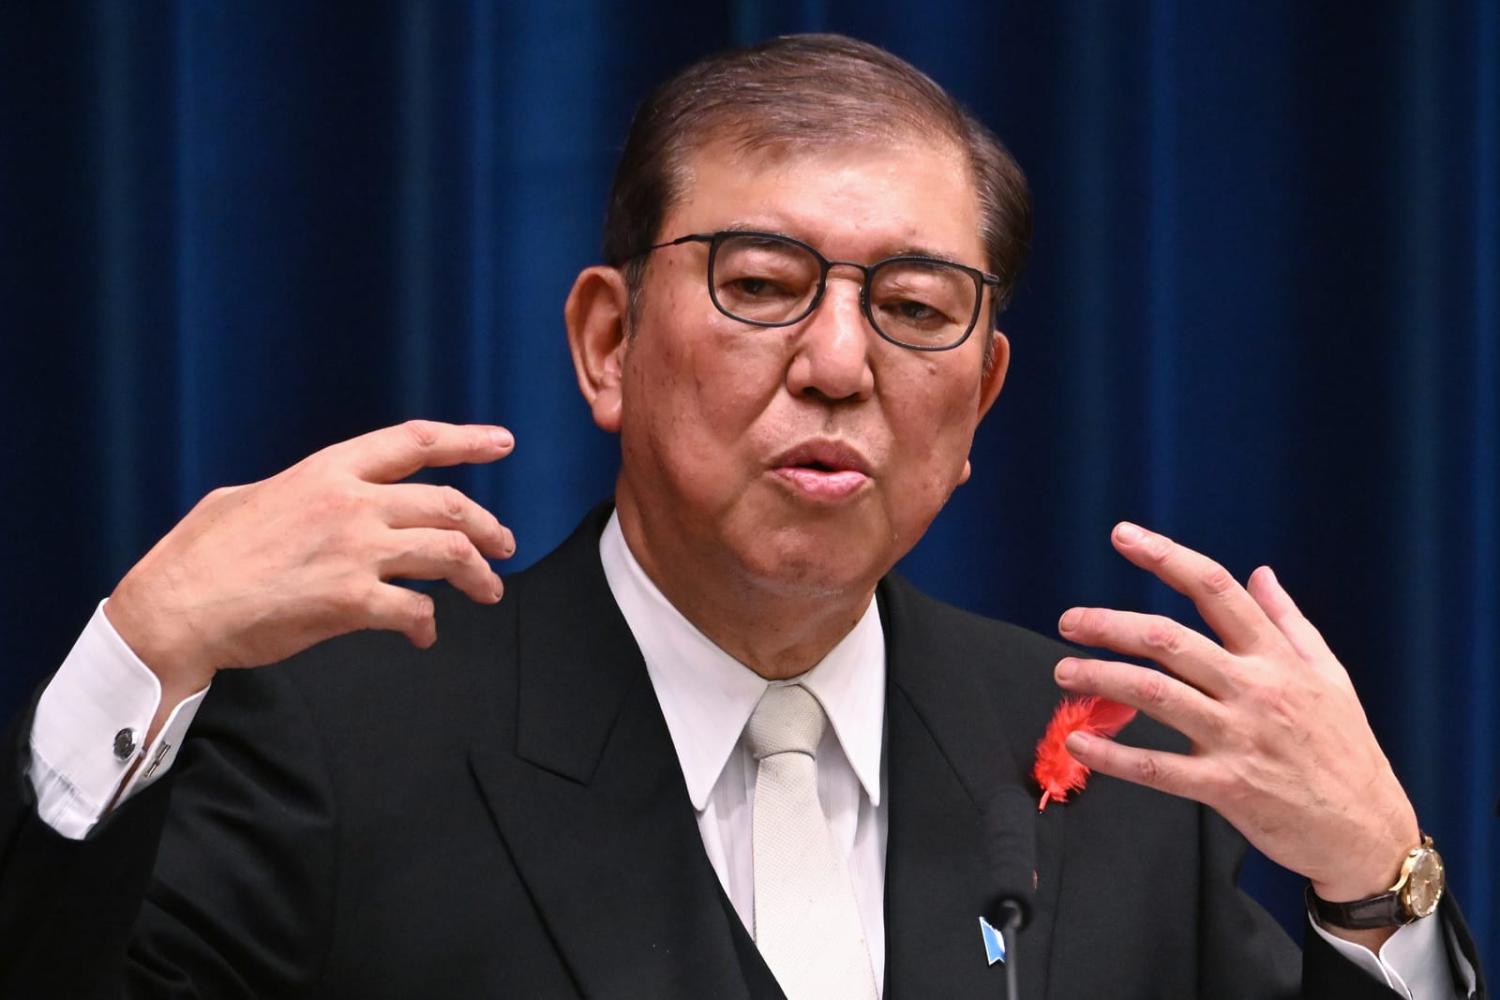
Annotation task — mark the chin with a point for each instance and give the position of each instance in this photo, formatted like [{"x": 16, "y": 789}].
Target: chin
[{"x": 811, "y": 568}]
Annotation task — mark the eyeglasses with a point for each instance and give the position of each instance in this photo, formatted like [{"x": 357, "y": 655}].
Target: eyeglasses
[{"x": 766, "y": 279}]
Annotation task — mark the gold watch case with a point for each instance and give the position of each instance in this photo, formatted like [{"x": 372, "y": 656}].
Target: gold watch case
[{"x": 1420, "y": 887}]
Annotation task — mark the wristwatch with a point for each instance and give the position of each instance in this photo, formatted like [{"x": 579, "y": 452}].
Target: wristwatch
[{"x": 1416, "y": 894}]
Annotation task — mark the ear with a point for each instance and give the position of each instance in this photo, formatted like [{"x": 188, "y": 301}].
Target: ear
[
  {"x": 989, "y": 389},
  {"x": 595, "y": 316},
  {"x": 994, "y": 375}
]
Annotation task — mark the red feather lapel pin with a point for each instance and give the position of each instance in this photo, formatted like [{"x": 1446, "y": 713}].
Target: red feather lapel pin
[{"x": 1059, "y": 772}]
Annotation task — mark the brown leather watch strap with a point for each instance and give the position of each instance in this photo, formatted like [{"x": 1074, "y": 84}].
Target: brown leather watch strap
[{"x": 1384, "y": 910}]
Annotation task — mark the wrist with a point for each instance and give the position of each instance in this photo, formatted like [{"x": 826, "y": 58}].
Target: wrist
[
  {"x": 1375, "y": 869},
  {"x": 1415, "y": 893},
  {"x": 1349, "y": 888},
  {"x": 159, "y": 641}
]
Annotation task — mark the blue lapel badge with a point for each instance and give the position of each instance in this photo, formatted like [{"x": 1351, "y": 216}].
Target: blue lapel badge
[{"x": 994, "y": 942}]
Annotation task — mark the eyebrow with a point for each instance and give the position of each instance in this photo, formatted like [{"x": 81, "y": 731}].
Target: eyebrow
[
  {"x": 905, "y": 250},
  {"x": 921, "y": 251}
]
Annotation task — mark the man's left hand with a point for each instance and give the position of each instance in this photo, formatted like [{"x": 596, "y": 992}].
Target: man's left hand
[{"x": 1281, "y": 747}]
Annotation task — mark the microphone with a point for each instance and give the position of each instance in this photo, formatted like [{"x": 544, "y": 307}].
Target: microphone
[{"x": 1010, "y": 846}]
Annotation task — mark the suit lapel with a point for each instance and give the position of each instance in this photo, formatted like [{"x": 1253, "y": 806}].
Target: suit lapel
[
  {"x": 589, "y": 798},
  {"x": 952, "y": 756}
]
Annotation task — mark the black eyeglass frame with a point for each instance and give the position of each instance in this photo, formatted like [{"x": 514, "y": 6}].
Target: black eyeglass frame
[{"x": 716, "y": 240}]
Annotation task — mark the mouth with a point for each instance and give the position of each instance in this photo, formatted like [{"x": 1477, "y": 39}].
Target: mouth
[{"x": 822, "y": 470}]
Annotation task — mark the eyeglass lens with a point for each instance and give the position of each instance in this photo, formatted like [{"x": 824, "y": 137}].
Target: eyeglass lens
[{"x": 767, "y": 281}]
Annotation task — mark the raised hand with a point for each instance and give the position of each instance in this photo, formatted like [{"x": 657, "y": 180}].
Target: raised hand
[
  {"x": 258, "y": 572},
  {"x": 1280, "y": 744}
]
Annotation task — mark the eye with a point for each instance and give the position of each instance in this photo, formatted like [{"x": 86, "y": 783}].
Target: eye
[
  {"x": 754, "y": 287},
  {"x": 762, "y": 278},
  {"x": 916, "y": 312},
  {"x": 921, "y": 297}
]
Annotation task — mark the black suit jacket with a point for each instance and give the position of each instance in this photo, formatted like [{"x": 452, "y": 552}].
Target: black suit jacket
[{"x": 504, "y": 816}]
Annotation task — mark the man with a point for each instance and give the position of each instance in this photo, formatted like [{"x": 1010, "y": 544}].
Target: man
[{"x": 709, "y": 747}]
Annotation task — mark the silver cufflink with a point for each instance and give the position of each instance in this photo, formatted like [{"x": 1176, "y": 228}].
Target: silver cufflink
[
  {"x": 157, "y": 758},
  {"x": 124, "y": 743}
]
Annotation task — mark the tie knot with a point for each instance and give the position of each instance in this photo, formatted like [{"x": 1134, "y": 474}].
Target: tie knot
[{"x": 787, "y": 719}]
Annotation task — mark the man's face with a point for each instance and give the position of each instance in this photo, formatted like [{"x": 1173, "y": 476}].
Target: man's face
[{"x": 805, "y": 459}]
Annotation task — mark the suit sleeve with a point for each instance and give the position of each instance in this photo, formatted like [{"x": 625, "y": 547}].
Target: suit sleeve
[{"x": 227, "y": 893}]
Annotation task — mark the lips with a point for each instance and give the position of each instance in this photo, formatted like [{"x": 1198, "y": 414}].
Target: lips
[{"x": 825, "y": 470}]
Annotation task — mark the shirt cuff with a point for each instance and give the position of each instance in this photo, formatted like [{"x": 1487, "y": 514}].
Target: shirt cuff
[
  {"x": 88, "y": 729},
  {"x": 1413, "y": 961}
]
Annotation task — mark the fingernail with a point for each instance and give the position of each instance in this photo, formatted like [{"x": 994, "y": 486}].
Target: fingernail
[
  {"x": 496, "y": 587},
  {"x": 1272, "y": 574},
  {"x": 501, "y": 438},
  {"x": 1078, "y": 742},
  {"x": 1066, "y": 669},
  {"x": 1129, "y": 533},
  {"x": 1069, "y": 620}
]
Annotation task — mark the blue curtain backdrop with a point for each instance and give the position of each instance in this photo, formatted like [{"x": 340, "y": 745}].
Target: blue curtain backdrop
[{"x": 1262, "y": 313}]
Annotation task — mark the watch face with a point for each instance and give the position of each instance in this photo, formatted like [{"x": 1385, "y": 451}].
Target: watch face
[{"x": 1424, "y": 887}]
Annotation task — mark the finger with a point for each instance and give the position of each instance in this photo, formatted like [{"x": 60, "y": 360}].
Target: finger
[
  {"x": 414, "y": 505},
  {"x": 1193, "y": 657},
  {"x": 1164, "y": 698},
  {"x": 1227, "y": 608},
  {"x": 1173, "y": 773},
  {"x": 393, "y": 453},
  {"x": 399, "y": 609},
  {"x": 1284, "y": 614},
  {"x": 436, "y": 554}
]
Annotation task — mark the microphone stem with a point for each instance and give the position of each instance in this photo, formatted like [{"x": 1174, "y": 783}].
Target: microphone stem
[{"x": 1010, "y": 932}]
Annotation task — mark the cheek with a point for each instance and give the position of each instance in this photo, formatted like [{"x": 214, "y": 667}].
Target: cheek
[
  {"x": 696, "y": 388},
  {"x": 934, "y": 427},
  {"x": 938, "y": 410}
]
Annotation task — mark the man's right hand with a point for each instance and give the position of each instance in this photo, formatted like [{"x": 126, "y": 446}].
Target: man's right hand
[{"x": 256, "y": 573}]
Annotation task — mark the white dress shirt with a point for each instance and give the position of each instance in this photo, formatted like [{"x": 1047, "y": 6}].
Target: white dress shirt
[
  {"x": 706, "y": 697},
  {"x": 101, "y": 690}
]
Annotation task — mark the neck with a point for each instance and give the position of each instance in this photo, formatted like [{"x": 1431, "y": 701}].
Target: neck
[{"x": 778, "y": 633}]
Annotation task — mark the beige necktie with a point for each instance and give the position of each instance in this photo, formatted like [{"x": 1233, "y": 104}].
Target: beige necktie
[{"x": 807, "y": 924}]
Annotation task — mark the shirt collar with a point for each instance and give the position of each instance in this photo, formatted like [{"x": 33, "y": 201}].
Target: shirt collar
[{"x": 707, "y": 696}]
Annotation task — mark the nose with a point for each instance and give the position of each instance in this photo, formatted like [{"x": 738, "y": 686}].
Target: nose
[{"x": 832, "y": 360}]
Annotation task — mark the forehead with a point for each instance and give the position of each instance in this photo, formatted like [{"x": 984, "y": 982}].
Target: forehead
[{"x": 854, "y": 202}]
